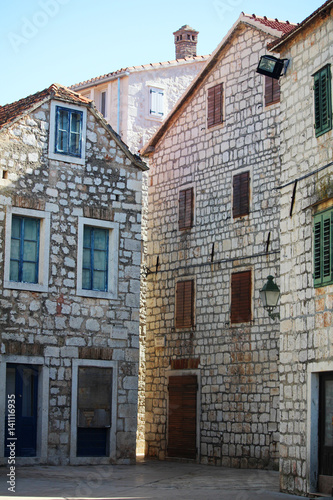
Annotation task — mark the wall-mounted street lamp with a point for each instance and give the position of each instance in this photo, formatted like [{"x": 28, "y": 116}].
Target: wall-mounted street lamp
[
  {"x": 269, "y": 295},
  {"x": 272, "y": 66}
]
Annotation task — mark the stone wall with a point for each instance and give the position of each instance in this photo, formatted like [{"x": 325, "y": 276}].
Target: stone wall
[
  {"x": 237, "y": 365},
  {"x": 59, "y": 326},
  {"x": 306, "y": 320}
]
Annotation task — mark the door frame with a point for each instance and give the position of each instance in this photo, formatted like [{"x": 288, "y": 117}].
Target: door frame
[
  {"x": 182, "y": 373},
  {"x": 314, "y": 370},
  {"x": 73, "y": 458},
  {"x": 42, "y": 407}
]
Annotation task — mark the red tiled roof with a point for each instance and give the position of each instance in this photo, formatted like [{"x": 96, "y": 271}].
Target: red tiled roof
[
  {"x": 287, "y": 36},
  {"x": 140, "y": 67},
  {"x": 283, "y": 26},
  {"x": 11, "y": 111}
]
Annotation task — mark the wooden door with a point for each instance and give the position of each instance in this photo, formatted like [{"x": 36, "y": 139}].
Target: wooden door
[{"x": 182, "y": 417}]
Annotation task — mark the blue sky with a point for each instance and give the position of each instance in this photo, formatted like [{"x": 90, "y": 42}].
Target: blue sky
[{"x": 69, "y": 41}]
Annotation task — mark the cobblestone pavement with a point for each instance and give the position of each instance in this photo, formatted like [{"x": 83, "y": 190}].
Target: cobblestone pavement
[{"x": 151, "y": 480}]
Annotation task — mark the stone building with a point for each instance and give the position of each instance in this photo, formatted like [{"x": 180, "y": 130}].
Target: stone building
[
  {"x": 306, "y": 187},
  {"x": 212, "y": 382},
  {"x": 70, "y": 244},
  {"x": 135, "y": 100}
]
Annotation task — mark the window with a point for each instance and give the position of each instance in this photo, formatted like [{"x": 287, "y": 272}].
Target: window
[
  {"x": 97, "y": 273},
  {"x": 156, "y": 102},
  {"x": 186, "y": 208},
  {"x": 322, "y": 248},
  {"x": 241, "y": 191},
  {"x": 185, "y": 304},
  {"x": 67, "y": 132},
  {"x": 322, "y": 100},
  {"x": 27, "y": 249},
  {"x": 272, "y": 90},
  {"x": 95, "y": 258},
  {"x": 103, "y": 103},
  {"x": 24, "y": 253},
  {"x": 241, "y": 297},
  {"x": 215, "y": 105}
]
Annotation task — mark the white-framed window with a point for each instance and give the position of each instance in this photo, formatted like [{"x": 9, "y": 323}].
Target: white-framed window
[
  {"x": 67, "y": 140},
  {"x": 156, "y": 102},
  {"x": 27, "y": 249},
  {"x": 97, "y": 272}
]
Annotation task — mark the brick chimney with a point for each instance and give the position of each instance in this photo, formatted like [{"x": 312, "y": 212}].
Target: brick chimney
[{"x": 186, "y": 39}]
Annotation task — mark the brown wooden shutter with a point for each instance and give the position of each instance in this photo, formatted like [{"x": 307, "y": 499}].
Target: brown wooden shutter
[
  {"x": 241, "y": 297},
  {"x": 272, "y": 90},
  {"x": 182, "y": 416},
  {"x": 241, "y": 198},
  {"x": 215, "y": 105},
  {"x": 186, "y": 208},
  {"x": 185, "y": 304}
]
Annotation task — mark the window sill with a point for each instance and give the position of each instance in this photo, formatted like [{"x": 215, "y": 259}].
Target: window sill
[
  {"x": 67, "y": 159},
  {"x": 29, "y": 287},
  {"x": 95, "y": 294}
]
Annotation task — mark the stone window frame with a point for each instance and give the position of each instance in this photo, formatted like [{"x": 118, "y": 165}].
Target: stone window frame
[
  {"x": 53, "y": 155},
  {"x": 152, "y": 116},
  {"x": 113, "y": 257},
  {"x": 44, "y": 249},
  {"x": 76, "y": 363}
]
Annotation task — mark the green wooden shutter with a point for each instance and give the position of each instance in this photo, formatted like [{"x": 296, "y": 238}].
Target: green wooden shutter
[
  {"x": 322, "y": 248},
  {"x": 322, "y": 100}
]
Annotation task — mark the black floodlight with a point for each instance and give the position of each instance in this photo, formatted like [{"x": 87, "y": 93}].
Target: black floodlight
[{"x": 271, "y": 66}]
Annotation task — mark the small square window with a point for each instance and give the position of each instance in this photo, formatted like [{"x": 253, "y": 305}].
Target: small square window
[
  {"x": 97, "y": 272},
  {"x": 67, "y": 132},
  {"x": 322, "y": 100}
]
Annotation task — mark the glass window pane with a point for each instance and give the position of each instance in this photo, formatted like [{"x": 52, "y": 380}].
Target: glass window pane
[
  {"x": 86, "y": 279},
  {"x": 16, "y": 222},
  {"x": 30, "y": 229},
  {"x": 76, "y": 122},
  {"x": 86, "y": 258},
  {"x": 100, "y": 239},
  {"x": 30, "y": 251},
  {"x": 99, "y": 280},
  {"x": 29, "y": 272},
  {"x": 86, "y": 236},
  {"x": 15, "y": 249},
  {"x": 63, "y": 116},
  {"x": 100, "y": 260},
  {"x": 14, "y": 271}
]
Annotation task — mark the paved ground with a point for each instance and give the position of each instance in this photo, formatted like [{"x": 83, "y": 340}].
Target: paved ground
[{"x": 146, "y": 480}]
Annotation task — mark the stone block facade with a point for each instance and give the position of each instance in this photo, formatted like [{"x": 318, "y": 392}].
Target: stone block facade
[
  {"x": 306, "y": 355},
  {"x": 56, "y": 333},
  {"x": 234, "y": 362}
]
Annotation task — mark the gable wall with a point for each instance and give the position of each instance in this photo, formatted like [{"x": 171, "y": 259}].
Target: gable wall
[{"x": 238, "y": 364}]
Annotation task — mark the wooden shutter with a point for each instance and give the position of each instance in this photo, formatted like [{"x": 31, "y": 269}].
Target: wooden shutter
[
  {"x": 323, "y": 100},
  {"x": 185, "y": 304},
  {"x": 322, "y": 248},
  {"x": 215, "y": 105},
  {"x": 241, "y": 285},
  {"x": 186, "y": 208},
  {"x": 272, "y": 90},
  {"x": 182, "y": 416},
  {"x": 241, "y": 184}
]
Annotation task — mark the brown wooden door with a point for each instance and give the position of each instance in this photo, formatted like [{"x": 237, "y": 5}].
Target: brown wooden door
[
  {"x": 182, "y": 416},
  {"x": 326, "y": 433}
]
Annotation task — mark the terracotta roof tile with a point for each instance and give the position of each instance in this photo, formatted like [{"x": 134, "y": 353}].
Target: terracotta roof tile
[
  {"x": 283, "y": 26},
  {"x": 11, "y": 111},
  {"x": 132, "y": 69}
]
